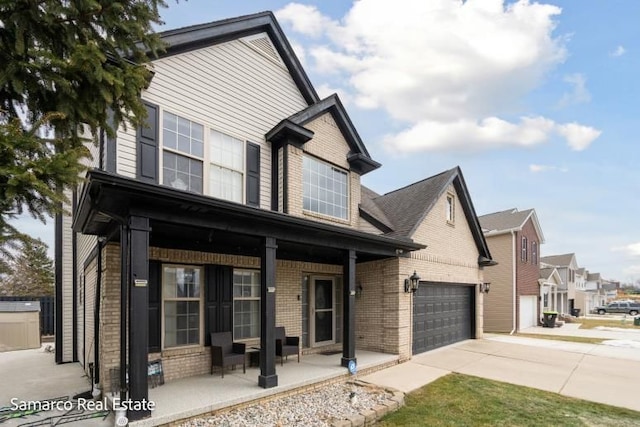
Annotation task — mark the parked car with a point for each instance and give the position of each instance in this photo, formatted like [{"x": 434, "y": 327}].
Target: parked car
[{"x": 632, "y": 308}]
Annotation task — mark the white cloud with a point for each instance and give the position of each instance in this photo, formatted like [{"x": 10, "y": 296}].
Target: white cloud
[
  {"x": 632, "y": 249},
  {"x": 449, "y": 70},
  {"x": 325, "y": 90},
  {"x": 305, "y": 19},
  {"x": 545, "y": 168},
  {"x": 578, "y": 137},
  {"x": 618, "y": 51},
  {"x": 579, "y": 92}
]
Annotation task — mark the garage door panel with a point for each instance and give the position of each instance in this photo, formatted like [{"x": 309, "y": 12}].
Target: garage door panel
[{"x": 442, "y": 315}]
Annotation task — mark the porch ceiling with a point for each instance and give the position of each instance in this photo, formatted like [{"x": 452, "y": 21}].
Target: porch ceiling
[{"x": 191, "y": 221}]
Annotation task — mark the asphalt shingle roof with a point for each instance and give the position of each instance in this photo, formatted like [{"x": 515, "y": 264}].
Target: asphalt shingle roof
[
  {"x": 406, "y": 207},
  {"x": 558, "y": 260},
  {"x": 593, "y": 276},
  {"x": 545, "y": 273},
  {"x": 15, "y": 306},
  {"x": 504, "y": 220},
  {"x": 367, "y": 204}
]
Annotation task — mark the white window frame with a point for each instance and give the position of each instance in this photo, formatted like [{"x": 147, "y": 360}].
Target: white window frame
[
  {"x": 200, "y": 300},
  {"x": 524, "y": 249},
  {"x": 206, "y": 156},
  {"x": 243, "y": 298},
  {"x": 347, "y": 190},
  {"x": 450, "y": 208},
  {"x": 217, "y": 164}
]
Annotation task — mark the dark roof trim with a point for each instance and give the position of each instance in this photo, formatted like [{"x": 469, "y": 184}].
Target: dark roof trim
[
  {"x": 198, "y": 36},
  {"x": 287, "y": 131},
  {"x": 117, "y": 196},
  {"x": 361, "y": 163},
  {"x": 333, "y": 105},
  {"x": 373, "y": 221}
]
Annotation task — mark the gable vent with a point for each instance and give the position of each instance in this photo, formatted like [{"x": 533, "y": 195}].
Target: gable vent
[{"x": 262, "y": 44}]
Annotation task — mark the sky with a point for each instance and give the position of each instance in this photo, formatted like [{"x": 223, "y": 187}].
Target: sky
[{"x": 535, "y": 101}]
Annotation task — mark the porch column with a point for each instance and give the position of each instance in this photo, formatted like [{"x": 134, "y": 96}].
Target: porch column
[
  {"x": 268, "y": 377},
  {"x": 138, "y": 314},
  {"x": 349, "y": 309}
]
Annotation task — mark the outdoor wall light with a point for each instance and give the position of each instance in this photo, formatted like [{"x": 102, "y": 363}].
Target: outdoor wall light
[
  {"x": 411, "y": 284},
  {"x": 484, "y": 287}
]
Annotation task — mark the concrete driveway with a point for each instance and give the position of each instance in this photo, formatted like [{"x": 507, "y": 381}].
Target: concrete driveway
[{"x": 587, "y": 371}]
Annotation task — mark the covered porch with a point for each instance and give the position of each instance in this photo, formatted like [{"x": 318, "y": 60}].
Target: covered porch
[
  {"x": 156, "y": 224},
  {"x": 203, "y": 394}
]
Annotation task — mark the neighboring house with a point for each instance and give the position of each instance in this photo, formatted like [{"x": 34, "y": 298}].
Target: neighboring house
[
  {"x": 567, "y": 267},
  {"x": 587, "y": 294},
  {"x": 514, "y": 238},
  {"x": 238, "y": 208},
  {"x": 549, "y": 282},
  {"x": 610, "y": 290}
]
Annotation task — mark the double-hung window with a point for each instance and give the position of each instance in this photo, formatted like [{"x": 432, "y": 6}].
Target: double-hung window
[
  {"x": 325, "y": 188},
  {"x": 182, "y": 293},
  {"x": 226, "y": 169},
  {"x": 523, "y": 254},
  {"x": 246, "y": 304},
  {"x": 534, "y": 253},
  {"x": 183, "y": 142},
  {"x": 202, "y": 160}
]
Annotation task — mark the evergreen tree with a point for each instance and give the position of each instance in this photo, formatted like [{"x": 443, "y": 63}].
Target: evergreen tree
[
  {"x": 31, "y": 272},
  {"x": 69, "y": 69}
]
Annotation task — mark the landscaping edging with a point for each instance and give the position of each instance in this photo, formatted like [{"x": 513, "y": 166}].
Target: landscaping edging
[{"x": 370, "y": 416}]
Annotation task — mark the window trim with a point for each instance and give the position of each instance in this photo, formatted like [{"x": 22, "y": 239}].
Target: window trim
[
  {"x": 450, "y": 208},
  {"x": 534, "y": 252},
  {"x": 347, "y": 192},
  {"x": 201, "y": 300},
  {"x": 206, "y": 155},
  {"x": 523, "y": 249},
  {"x": 233, "y": 304}
]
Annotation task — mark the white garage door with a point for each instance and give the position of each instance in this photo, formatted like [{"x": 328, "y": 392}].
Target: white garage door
[{"x": 528, "y": 311}]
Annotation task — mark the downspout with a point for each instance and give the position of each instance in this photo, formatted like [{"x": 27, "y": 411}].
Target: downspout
[
  {"x": 124, "y": 297},
  {"x": 515, "y": 258},
  {"x": 96, "y": 317}
]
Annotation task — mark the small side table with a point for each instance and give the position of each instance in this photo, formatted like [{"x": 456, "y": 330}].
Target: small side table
[{"x": 254, "y": 355}]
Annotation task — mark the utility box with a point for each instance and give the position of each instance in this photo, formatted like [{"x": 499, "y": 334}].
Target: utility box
[{"x": 19, "y": 325}]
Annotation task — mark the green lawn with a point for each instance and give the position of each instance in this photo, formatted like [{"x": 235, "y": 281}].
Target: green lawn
[
  {"x": 461, "y": 400},
  {"x": 586, "y": 340},
  {"x": 592, "y": 323}
]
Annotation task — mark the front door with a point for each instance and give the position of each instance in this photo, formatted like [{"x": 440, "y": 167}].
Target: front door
[{"x": 322, "y": 311}]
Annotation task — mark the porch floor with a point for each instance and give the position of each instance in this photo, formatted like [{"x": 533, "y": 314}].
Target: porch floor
[{"x": 189, "y": 397}]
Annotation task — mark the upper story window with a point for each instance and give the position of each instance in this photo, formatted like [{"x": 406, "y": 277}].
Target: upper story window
[
  {"x": 325, "y": 188},
  {"x": 450, "y": 208},
  {"x": 183, "y": 152},
  {"x": 226, "y": 171},
  {"x": 534, "y": 253},
  {"x": 523, "y": 253},
  {"x": 202, "y": 160}
]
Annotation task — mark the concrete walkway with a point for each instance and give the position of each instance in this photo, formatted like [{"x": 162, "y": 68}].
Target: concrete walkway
[{"x": 587, "y": 371}]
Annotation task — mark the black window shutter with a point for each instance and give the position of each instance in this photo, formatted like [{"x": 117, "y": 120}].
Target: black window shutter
[
  {"x": 147, "y": 151},
  {"x": 155, "y": 301},
  {"x": 218, "y": 310},
  {"x": 253, "y": 174}
]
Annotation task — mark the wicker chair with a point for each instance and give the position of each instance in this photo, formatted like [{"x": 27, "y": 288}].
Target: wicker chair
[
  {"x": 225, "y": 352},
  {"x": 286, "y": 345}
]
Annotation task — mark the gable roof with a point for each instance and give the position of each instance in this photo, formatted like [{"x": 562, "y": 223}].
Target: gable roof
[
  {"x": 509, "y": 220},
  {"x": 370, "y": 211},
  {"x": 593, "y": 277},
  {"x": 293, "y": 126},
  {"x": 547, "y": 273},
  {"x": 406, "y": 208},
  {"x": 193, "y": 37},
  {"x": 563, "y": 260}
]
